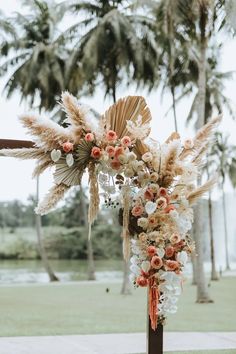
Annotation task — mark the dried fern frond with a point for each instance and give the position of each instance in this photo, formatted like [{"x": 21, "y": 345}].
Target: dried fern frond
[
  {"x": 49, "y": 135},
  {"x": 24, "y": 153},
  {"x": 55, "y": 194},
  {"x": 127, "y": 108},
  {"x": 75, "y": 114},
  {"x": 203, "y": 136},
  {"x": 173, "y": 136},
  {"x": 200, "y": 191},
  {"x": 94, "y": 194}
]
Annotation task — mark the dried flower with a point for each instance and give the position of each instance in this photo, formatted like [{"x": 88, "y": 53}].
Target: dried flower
[
  {"x": 169, "y": 251},
  {"x": 96, "y": 152},
  {"x": 147, "y": 157},
  {"x": 89, "y": 137},
  {"x": 126, "y": 141},
  {"x": 154, "y": 177},
  {"x": 111, "y": 135},
  {"x": 188, "y": 144},
  {"x": 171, "y": 265},
  {"x": 156, "y": 262},
  {"x": 151, "y": 251},
  {"x": 143, "y": 222},
  {"x": 67, "y": 147},
  {"x": 137, "y": 210},
  {"x": 110, "y": 150},
  {"x": 174, "y": 238},
  {"x": 141, "y": 281},
  {"x": 161, "y": 203}
]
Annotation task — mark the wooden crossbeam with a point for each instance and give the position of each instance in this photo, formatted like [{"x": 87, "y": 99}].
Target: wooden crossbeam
[{"x": 14, "y": 144}]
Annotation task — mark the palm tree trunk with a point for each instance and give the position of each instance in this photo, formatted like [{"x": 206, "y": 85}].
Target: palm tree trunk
[
  {"x": 214, "y": 275},
  {"x": 174, "y": 108},
  {"x": 225, "y": 229},
  {"x": 41, "y": 247},
  {"x": 90, "y": 258},
  {"x": 126, "y": 286},
  {"x": 202, "y": 289}
]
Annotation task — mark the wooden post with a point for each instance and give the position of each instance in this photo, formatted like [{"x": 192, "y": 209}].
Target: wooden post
[
  {"x": 154, "y": 339},
  {"x": 15, "y": 144}
]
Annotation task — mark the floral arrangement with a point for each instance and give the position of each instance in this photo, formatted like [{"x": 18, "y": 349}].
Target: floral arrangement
[{"x": 154, "y": 185}]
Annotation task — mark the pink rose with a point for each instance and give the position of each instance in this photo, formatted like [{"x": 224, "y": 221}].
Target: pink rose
[
  {"x": 162, "y": 192},
  {"x": 148, "y": 194},
  {"x": 89, "y": 137},
  {"x": 110, "y": 150},
  {"x": 96, "y": 152},
  {"x": 111, "y": 135},
  {"x": 119, "y": 150},
  {"x": 115, "y": 164},
  {"x": 171, "y": 265},
  {"x": 126, "y": 141},
  {"x": 151, "y": 250},
  {"x": 169, "y": 251},
  {"x": 156, "y": 262},
  {"x": 67, "y": 147},
  {"x": 141, "y": 281},
  {"x": 137, "y": 210}
]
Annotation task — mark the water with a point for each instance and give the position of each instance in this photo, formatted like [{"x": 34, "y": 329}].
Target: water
[{"x": 27, "y": 271}]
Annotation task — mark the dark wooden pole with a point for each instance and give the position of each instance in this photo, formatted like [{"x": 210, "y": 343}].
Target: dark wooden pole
[
  {"x": 154, "y": 339},
  {"x": 15, "y": 144}
]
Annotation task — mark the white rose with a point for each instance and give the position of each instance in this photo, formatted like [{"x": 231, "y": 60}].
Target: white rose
[
  {"x": 182, "y": 257},
  {"x": 123, "y": 158},
  {"x": 147, "y": 157}
]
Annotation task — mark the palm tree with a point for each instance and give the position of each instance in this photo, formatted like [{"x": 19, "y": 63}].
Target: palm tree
[
  {"x": 225, "y": 155},
  {"x": 36, "y": 60},
  {"x": 115, "y": 41}
]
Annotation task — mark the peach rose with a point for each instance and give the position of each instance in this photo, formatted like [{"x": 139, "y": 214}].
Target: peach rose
[
  {"x": 151, "y": 251},
  {"x": 111, "y": 135},
  {"x": 188, "y": 144},
  {"x": 161, "y": 203},
  {"x": 110, "y": 150},
  {"x": 67, "y": 147},
  {"x": 126, "y": 141},
  {"x": 162, "y": 192},
  {"x": 137, "y": 210},
  {"x": 148, "y": 194},
  {"x": 171, "y": 265},
  {"x": 154, "y": 177},
  {"x": 96, "y": 152},
  {"x": 119, "y": 150},
  {"x": 115, "y": 164},
  {"x": 152, "y": 221},
  {"x": 141, "y": 281},
  {"x": 175, "y": 238},
  {"x": 169, "y": 208},
  {"x": 169, "y": 251},
  {"x": 89, "y": 137},
  {"x": 156, "y": 262}
]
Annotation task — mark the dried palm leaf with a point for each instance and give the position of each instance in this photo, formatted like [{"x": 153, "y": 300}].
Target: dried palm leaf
[
  {"x": 24, "y": 153},
  {"x": 83, "y": 154},
  {"x": 70, "y": 176},
  {"x": 127, "y": 108},
  {"x": 55, "y": 194},
  {"x": 200, "y": 191},
  {"x": 49, "y": 135},
  {"x": 140, "y": 148}
]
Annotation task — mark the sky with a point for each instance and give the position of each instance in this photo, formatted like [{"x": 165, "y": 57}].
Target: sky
[{"x": 15, "y": 176}]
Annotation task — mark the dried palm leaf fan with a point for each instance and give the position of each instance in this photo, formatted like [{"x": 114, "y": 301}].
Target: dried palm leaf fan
[{"x": 127, "y": 108}]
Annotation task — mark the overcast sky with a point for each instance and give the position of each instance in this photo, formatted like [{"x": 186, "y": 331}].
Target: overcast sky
[{"x": 15, "y": 176}]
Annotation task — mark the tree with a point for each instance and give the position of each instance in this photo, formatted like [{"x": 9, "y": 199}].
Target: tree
[
  {"x": 37, "y": 63},
  {"x": 115, "y": 41},
  {"x": 225, "y": 155}
]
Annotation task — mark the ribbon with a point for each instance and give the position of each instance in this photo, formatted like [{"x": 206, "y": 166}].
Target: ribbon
[{"x": 153, "y": 295}]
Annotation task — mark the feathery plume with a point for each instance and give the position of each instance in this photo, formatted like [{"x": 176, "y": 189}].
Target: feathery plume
[
  {"x": 24, "y": 153},
  {"x": 55, "y": 194},
  {"x": 49, "y": 134},
  {"x": 200, "y": 191},
  {"x": 94, "y": 194},
  {"x": 173, "y": 136},
  {"x": 41, "y": 167}
]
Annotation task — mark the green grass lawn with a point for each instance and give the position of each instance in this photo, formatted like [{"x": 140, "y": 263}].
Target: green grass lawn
[{"x": 84, "y": 308}]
